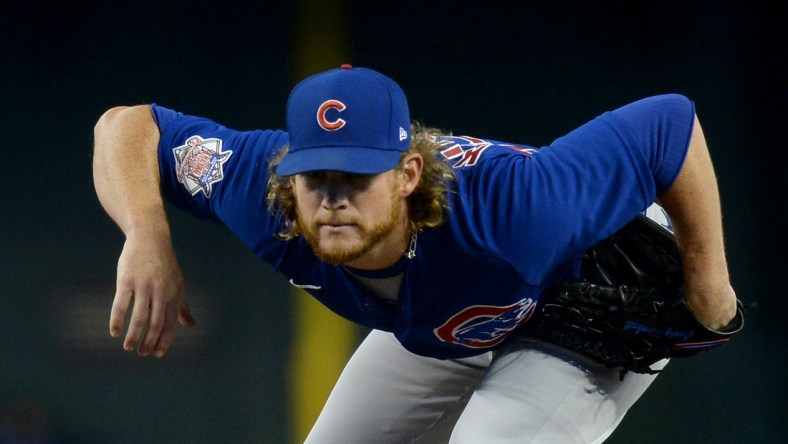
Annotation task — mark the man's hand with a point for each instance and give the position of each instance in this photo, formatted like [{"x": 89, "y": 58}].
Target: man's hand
[
  {"x": 714, "y": 308},
  {"x": 149, "y": 275}
]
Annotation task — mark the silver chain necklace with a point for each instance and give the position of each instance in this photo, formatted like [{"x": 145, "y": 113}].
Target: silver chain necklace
[{"x": 414, "y": 236}]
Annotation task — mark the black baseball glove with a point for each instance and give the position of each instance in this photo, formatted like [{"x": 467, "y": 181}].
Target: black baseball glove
[{"x": 628, "y": 310}]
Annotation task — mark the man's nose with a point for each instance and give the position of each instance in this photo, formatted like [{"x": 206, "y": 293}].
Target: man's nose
[{"x": 335, "y": 194}]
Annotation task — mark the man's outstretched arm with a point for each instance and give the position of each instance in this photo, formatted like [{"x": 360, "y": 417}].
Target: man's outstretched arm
[
  {"x": 126, "y": 177},
  {"x": 693, "y": 204}
]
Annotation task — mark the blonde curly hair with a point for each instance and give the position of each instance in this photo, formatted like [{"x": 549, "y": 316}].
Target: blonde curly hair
[{"x": 428, "y": 205}]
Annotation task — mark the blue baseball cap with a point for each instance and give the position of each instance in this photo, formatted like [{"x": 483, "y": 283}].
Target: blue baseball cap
[{"x": 351, "y": 120}]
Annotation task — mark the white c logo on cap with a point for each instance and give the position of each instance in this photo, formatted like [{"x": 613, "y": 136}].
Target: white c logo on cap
[{"x": 326, "y": 124}]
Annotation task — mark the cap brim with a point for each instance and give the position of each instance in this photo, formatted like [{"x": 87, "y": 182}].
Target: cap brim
[{"x": 345, "y": 159}]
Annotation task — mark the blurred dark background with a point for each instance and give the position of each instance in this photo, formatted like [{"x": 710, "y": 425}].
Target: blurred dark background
[{"x": 524, "y": 71}]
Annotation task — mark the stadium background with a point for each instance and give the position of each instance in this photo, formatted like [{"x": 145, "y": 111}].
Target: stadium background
[{"x": 263, "y": 357}]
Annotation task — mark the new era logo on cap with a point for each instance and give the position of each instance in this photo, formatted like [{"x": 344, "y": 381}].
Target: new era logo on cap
[{"x": 348, "y": 119}]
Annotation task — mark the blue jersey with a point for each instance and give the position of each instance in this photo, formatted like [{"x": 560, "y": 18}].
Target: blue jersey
[{"x": 521, "y": 218}]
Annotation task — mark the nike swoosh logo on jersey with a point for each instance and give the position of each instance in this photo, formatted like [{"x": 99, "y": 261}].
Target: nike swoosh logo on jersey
[{"x": 305, "y": 286}]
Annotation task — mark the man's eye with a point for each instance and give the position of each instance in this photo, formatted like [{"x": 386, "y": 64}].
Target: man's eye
[
  {"x": 360, "y": 180},
  {"x": 356, "y": 180}
]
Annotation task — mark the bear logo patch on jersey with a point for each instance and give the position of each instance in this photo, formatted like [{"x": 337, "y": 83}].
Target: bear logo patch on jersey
[
  {"x": 484, "y": 326},
  {"x": 199, "y": 164},
  {"x": 466, "y": 151}
]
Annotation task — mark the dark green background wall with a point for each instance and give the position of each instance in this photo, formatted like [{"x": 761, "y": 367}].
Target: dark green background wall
[{"x": 519, "y": 71}]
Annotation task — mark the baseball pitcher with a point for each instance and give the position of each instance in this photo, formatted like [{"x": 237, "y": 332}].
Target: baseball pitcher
[{"x": 515, "y": 293}]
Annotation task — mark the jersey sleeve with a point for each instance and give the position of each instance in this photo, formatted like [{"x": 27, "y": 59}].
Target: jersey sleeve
[
  {"x": 218, "y": 173},
  {"x": 662, "y": 127},
  {"x": 554, "y": 203}
]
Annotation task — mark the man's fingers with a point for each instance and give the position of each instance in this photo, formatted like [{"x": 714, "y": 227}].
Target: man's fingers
[
  {"x": 158, "y": 322},
  {"x": 138, "y": 323},
  {"x": 154, "y": 318},
  {"x": 185, "y": 316},
  {"x": 120, "y": 305},
  {"x": 167, "y": 335}
]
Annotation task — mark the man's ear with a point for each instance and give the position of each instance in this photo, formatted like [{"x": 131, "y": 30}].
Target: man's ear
[{"x": 412, "y": 166}]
